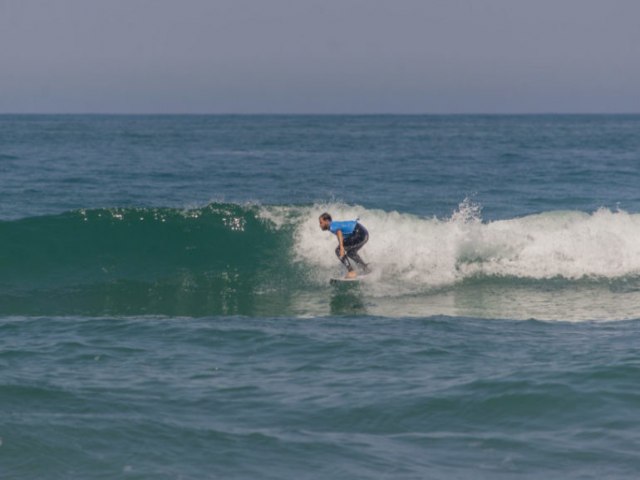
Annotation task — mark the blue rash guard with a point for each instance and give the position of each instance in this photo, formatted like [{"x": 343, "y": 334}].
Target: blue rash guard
[{"x": 346, "y": 227}]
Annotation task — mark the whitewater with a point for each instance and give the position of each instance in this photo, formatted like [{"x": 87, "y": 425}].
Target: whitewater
[{"x": 439, "y": 252}]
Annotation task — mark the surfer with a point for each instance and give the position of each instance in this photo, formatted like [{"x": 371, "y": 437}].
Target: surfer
[{"x": 351, "y": 237}]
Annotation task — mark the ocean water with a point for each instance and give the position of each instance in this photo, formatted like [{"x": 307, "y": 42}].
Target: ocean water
[{"x": 166, "y": 312}]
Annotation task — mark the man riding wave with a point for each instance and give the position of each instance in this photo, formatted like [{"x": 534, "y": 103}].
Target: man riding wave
[{"x": 351, "y": 237}]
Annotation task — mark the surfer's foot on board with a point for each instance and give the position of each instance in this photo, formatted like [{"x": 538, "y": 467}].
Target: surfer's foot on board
[{"x": 351, "y": 274}]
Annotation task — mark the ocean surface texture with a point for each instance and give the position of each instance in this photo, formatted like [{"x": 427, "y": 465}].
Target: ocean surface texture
[{"x": 166, "y": 312}]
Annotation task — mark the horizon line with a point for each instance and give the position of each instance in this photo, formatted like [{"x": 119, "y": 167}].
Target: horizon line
[{"x": 315, "y": 114}]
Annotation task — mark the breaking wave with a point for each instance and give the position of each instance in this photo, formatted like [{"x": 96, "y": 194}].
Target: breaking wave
[{"x": 274, "y": 260}]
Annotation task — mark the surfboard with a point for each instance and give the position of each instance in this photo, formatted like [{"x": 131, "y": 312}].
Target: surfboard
[
  {"x": 339, "y": 280},
  {"x": 344, "y": 280}
]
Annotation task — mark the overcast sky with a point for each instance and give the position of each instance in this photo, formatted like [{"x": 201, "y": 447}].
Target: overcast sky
[{"x": 308, "y": 56}]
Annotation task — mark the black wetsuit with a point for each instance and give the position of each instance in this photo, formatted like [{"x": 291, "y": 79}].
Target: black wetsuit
[{"x": 352, "y": 244}]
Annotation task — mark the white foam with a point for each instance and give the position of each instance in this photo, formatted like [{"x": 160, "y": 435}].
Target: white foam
[{"x": 412, "y": 253}]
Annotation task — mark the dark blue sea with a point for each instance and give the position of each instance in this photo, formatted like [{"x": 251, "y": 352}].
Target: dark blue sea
[{"x": 166, "y": 310}]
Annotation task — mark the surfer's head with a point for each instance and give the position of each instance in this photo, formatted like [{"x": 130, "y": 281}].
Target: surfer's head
[{"x": 325, "y": 221}]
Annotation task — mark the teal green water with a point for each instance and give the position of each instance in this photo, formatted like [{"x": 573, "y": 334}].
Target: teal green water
[{"x": 165, "y": 310}]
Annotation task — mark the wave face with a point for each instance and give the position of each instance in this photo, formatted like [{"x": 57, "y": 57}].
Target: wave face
[
  {"x": 274, "y": 260},
  {"x": 132, "y": 261}
]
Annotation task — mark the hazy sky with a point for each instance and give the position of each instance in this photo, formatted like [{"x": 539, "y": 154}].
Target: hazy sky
[{"x": 299, "y": 56}]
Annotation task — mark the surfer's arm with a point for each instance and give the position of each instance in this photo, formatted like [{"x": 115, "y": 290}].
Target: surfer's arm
[{"x": 341, "y": 241}]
